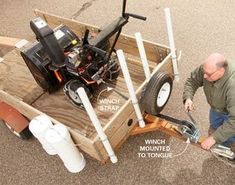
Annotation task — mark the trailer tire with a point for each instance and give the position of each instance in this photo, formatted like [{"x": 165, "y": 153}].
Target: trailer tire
[
  {"x": 157, "y": 93},
  {"x": 24, "y": 134}
]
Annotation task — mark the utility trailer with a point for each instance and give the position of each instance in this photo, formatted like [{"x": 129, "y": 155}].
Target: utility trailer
[{"x": 19, "y": 90}]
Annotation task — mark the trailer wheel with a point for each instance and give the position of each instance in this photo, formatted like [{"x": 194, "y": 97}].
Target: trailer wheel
[
  {"x": 24, "y": 134},
  {"x": 157, "y": 93}
]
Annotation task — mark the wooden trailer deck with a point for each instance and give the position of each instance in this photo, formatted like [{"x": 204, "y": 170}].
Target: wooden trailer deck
[{"x": 19, "y": 89}]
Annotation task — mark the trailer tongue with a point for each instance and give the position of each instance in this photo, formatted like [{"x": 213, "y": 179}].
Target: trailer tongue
[{"x": 188, "y": 129}]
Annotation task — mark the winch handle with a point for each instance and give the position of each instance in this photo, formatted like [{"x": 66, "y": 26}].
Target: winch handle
[
  {"x": 127, "y": 15},
  {"x": 135, "y": 16},
  {"x": 191, "y": 118},
  {"x": 85, "y": 38}
]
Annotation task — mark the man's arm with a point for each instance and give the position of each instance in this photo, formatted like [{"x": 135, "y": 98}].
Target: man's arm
[{"x": 193, "y": 83}]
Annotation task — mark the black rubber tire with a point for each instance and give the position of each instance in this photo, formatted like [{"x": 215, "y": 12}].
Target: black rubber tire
[
  {"x": 150, "y": 95},
  {"x": 24, "y": 134},
  {"x": 113, "y": 71},
  {"x": 72, "y": 86}
]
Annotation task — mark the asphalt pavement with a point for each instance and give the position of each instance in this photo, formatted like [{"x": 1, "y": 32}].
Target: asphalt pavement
[{"x": 200, "y": 28}]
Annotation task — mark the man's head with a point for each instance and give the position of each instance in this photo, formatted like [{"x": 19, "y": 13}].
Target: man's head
[{"x": 214, "y": 67}]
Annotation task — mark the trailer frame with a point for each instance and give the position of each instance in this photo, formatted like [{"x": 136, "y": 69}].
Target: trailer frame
[{"x": 121, "y": 125}]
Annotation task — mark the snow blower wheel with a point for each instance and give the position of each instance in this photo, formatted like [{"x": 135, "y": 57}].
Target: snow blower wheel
[
  {"x": 157, "y": 93},
  {"x": 113, "y": 71},
  {"x": 70, "y": 91}
]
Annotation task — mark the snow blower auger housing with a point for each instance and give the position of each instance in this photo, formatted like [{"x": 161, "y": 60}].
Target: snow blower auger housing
[{"x": 59, "y": 58}]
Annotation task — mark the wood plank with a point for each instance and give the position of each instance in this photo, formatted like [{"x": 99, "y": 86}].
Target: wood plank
[
  {"x": 118, "y": 137},
  {"x": 8, "y": 41},
  {"x": 30, "y": 112},
  {"x": 15, "y": 78},
  {"x": 85, "y": 144},
  {"x": 78, "y": 27},
  {"x": 153, "y": 52},
  {"x": 136, "y": 59},
  {"x": 150, "y": 126},
  {"x": 5, "y": 49}
]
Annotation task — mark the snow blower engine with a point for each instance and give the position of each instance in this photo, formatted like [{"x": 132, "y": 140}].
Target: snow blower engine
[{"x": 60, "y": 58}]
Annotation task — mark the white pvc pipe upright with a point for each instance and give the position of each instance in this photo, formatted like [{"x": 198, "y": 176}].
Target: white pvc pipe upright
[
  {"x": 59, "y": 137},
  {"x": 143, "y": 57},
  {"x": 38, "y": 126},
  {"x": 130, "y": 87},
  {"x": 91, "y": 113},
  {"x": 171, "y": 42}
]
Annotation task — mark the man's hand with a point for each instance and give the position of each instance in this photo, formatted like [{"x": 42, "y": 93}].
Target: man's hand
[
  {"x": 188, "y": 105},
  {"x": 208, "y": 143}
]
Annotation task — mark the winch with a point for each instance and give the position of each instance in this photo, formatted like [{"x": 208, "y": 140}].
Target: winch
[{"x": 188, "y": 129}]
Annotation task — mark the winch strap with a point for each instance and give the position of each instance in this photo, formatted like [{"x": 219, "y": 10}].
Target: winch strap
[{"x": 171, "y": 119}]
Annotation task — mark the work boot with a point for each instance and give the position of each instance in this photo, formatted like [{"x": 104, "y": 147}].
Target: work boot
[
  {"x": 211, "y": 130},
  {"x": 223, "y": 156}
]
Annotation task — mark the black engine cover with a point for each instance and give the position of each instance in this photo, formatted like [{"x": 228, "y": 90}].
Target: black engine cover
[{"x": 40, "y": 63}]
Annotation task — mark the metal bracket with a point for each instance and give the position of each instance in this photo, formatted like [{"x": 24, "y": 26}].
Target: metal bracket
[{"x": 194, "y": 137}]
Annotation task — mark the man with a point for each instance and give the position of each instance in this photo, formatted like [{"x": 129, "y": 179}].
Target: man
[{"x": 217, "y": 77}]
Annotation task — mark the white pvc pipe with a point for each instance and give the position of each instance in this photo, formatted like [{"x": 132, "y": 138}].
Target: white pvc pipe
[
  {"x": 38, "y": 126},
  {"x": 143, "y": 57},
  {"x": 59, "y": 137},
  {"x": 172, "y": 43},
  {"x": 91, "y": 113},
  {"x": 130, "y": 87}
]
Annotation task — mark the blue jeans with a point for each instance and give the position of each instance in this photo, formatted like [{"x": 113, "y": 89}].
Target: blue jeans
[{"x": 217, "y": 119}]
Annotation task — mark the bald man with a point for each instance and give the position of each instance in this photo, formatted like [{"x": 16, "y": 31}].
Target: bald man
[{"x": 217, "y": 77}]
